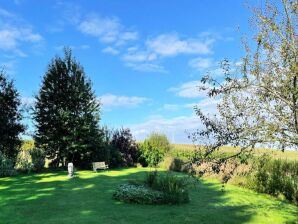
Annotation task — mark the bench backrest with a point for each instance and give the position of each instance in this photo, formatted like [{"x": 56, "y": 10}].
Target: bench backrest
[{"x": 99, "y": 164}]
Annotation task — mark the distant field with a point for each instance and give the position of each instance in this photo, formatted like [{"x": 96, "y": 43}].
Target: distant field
[{"x": 278, "y": 154}]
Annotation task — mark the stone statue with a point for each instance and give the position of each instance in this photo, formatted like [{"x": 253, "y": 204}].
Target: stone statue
[{"x": 70, "y": 169}]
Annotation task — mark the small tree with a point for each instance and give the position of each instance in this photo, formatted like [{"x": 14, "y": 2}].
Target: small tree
[
  {"x": 154, "y": 149},
  {"x": 259, "y": 102},
  {"x": 67, "y": 114},
  {"x": 124, "y": 148},
  {"x": 38, "y": 159},
  {"x": 10, "y": 119}
]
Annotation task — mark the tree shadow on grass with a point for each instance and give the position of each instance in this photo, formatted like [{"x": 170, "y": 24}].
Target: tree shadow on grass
[{"x": 87, "y": 198}]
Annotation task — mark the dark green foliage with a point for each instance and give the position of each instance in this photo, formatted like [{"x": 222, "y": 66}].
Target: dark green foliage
[
  {"x": 124, "y": 145},
  {"x": 6, "y": 166},
  {"x": 138, "y": 194},
  {"x": 119, "y": 149},
  {"x": 151, "y": 178},
  {"x": 67, "y": 114},
  {"x": 38, "y": 159},
  {"x": 173, "y": 187},
  {"x": 276, "y": 177},
  {"x": 10, "y": 117},
  {"x": 154, "y": 149},
  {"x": 155, "y": 189}
]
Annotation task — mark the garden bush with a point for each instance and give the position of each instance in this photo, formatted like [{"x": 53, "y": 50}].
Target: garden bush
[
  {"x": 276, "y": 177},
  {"x": 38, "y": 159},
  {"x": 155, "y": 189},
  {"x": 24, "y": 162},
  {"x": 172, "y": 163},
  {"x": 154, "y": 149},
  {"x": 173, "y": 187},
  {"x": 151, "y": 178},
  {"x": 139, "y": 194},
  {"x": 119, "y": 148},
  {"x": 6, "y": 166}
]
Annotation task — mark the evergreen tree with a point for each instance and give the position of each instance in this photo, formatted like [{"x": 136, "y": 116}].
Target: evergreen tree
[
  {"x": 10, "y": 117},
  {"x": 67, "y": 114}
]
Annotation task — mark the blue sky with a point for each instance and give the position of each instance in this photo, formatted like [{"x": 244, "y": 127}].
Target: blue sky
[{"x": 145, "y": 58}]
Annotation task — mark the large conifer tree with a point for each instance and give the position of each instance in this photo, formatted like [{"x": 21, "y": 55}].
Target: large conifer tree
[
  {"x": 67, "y": 114},
  {"x": 10, "y": 117}
]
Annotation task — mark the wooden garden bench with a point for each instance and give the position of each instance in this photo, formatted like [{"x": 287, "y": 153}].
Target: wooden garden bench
[{"x": 99, "y": 165}]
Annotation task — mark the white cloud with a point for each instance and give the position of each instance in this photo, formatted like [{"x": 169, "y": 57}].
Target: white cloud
[
  {"x": 172, "y": 45},
  {"x": 165, "y": 45},
  {"x": 4, "y": 13},
  {"x": 14, "y": 32},
  {"x": 111, "y": 101},
  {"x": 110, "y": 50},
  {"x": 146, "y": 67},
  {"x": 175, "y": 128},
  {"x": 139, "y": 56},
  {"x": 107, "y": 29},
  {"x": 189, "y": 90},
  {"x": 201, "y": 63},
  {"x": 172, "y": 107},
  {"x": 207, "y": 105}
]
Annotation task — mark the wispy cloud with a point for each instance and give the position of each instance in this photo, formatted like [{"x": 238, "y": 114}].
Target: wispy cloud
[
  {"x": 176, "y": 128},
  {"x": 147, "y": 67},
  {"x": 201, "y": 64},
  {"x": 167, "y": 45},
  {"x": 111, "y": 50},
  {"x": 207, "y": 105},
  {"x": 162, "y": 46},
  {"x": 14, "y": 32},
  {"x": 106, "y": 29},
  {"x": 111, "y": 101},
  {"x": 189, "y": 90}
]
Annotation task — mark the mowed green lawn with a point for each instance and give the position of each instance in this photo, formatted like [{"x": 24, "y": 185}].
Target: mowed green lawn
[{"x": 53, "y": 198}]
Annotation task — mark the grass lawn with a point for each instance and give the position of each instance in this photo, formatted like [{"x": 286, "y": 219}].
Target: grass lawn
[{"x": 53, "y": 198}]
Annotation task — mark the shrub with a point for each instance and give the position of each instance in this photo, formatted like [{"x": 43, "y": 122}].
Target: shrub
[
  {"x": 24, "y": 163},
  {"x": 151, "y": 178},
  {"x": 38, "y": 159},
  {"x": 276, "y": 177},
  {"x": 160, "y": 141},
  {"x": 123, "y": 142},
  {"x": 173, "y": 187},
  {"x": 118, "y": 148},
  {"x": 138, "y": 194},
  {"x": 150, "y": 155},
  {"x": 172, "y": 163},
  {"x": 155, "y": 189},
  {"x": 154, "y": 149},
  {"x": 6, "y": 166}
]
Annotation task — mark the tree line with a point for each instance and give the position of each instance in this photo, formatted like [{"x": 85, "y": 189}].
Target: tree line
[{"x": 66, "y": 115}]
